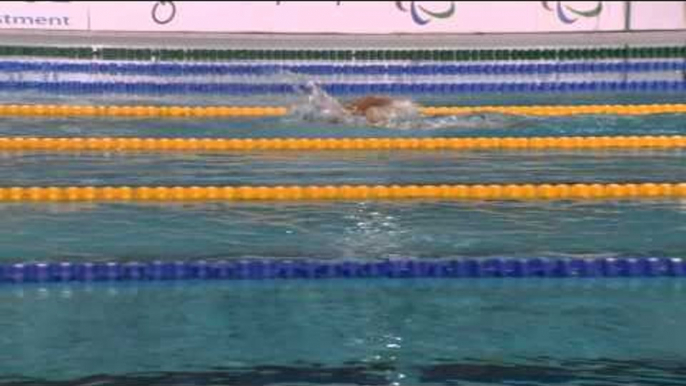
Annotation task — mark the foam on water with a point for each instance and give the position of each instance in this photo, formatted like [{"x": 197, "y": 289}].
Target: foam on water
[{"x": 314, "y": 104}]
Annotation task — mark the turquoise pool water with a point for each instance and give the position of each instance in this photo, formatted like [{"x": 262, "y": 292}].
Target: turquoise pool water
[
  {"x": 340, "y": 231},
  {"x": 365, "y": 230},
  {"x": 385, "y": 332},
  {"x": 382, "y": 332}
]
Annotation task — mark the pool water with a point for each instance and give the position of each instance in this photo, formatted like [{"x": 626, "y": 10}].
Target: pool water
[
  {"x": 344, "y": 230},
  {"x": 373, "y": 230},
  {"x": 362, "y": 332},
  {"x": 415, "y": 332}
]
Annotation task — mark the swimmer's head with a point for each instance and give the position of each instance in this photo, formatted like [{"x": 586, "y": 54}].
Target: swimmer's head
[
  {"x": 361, "y": 105},
  {"x": 377, "y": 110},
  {"x": 382, "y": 110}
]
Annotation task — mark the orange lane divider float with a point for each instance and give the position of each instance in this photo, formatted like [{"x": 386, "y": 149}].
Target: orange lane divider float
[
  {"x": 221, "y": 144},
  {"x": 613, "y": 191},
  {"x": 559, "y": 110},
  {"x": 42, "y": 110}
]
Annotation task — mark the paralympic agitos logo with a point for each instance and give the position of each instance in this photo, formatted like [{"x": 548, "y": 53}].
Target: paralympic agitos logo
[
  {"x": 566, "y": 13},
  {"x": 422, "y": 15},
  {"x": 569, "y": 14}
]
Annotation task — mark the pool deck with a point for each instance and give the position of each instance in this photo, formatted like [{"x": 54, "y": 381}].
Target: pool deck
[{"x": 339, "y": 41}]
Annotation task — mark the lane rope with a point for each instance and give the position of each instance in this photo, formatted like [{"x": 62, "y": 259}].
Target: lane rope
[
  {"x": 606, "y": 191},
  {"x": 263, "y": 269},
  {"x": 322, "y": 69},
  {"x": 338, "y": 88},
  {"x": 51, "y": 110},
  {"x": 54, "y": 110},
  {"x": 344, "y": 55},
  {"x": 282, "y": 144}
]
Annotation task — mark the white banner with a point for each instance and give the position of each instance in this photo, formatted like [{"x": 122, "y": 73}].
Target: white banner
[
  {"x": 658, "y": 15},
  {"x": 342, "y": 16},
  {"x": 357, "y": 16}
]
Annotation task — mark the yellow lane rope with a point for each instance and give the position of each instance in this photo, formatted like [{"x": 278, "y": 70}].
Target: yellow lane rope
[
  {"x": 264, "y": 111},
  {"x": 347, "y": 192},
  {"x": 141, "y": 111},
  {"x": 221, "y": 144},
  {"x": 562, "y": 110}
]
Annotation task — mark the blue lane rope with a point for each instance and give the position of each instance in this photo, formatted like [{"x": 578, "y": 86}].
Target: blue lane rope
[
  {"x": 182, "y": 69},
  {"x": 309, "y": 269},
  {"x": 75, "y": 87}
]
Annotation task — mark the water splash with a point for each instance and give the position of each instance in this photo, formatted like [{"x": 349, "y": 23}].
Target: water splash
[
  {"x": 319, "y": 106},
  {"x": 316, "y": 105}
]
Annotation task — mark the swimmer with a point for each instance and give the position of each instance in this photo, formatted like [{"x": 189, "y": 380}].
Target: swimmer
[
  {"x": 376, "y": 110},
  {"x": 388, "y": 112},
  {"x": 382, "y": 110}
]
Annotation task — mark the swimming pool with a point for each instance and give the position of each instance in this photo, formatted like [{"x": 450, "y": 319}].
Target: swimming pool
[
  {"x": 93, "y": 323},
  {"x": 560, "y": 331}
]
